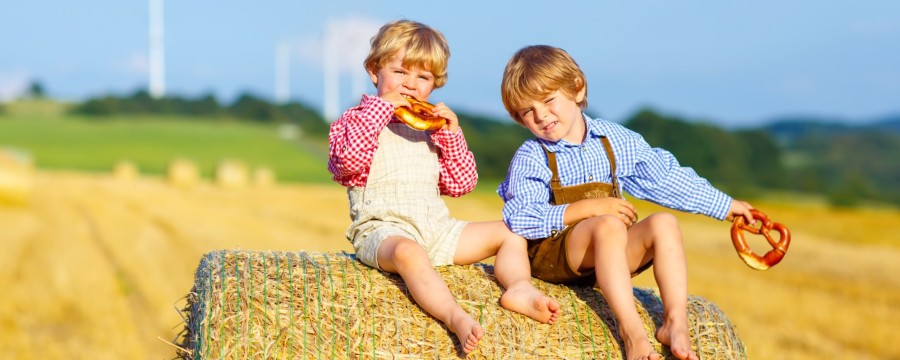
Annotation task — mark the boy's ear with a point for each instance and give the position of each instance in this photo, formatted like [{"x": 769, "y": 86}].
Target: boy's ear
[
  {"x": 579, "y": 97},
  {"x": 373, "y": 76}
]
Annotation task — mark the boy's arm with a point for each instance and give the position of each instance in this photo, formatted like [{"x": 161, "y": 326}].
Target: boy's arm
[
  {"x": 353, "y": 139},
  {"x": 526, "y": 193},
  {"x": 458, "y": 171},
  {"x": 657, "y": 176}
]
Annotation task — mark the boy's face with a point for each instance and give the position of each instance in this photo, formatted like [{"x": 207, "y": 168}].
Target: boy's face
[
  {"x": 416, "y": 82},
  {"x": 555, "y": 117}
]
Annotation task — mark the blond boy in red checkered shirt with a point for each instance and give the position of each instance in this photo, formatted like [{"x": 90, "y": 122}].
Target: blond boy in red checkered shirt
[{"x": 395, "y": 176}]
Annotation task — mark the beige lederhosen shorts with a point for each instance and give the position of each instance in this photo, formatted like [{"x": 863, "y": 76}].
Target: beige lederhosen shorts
[
  {"x": 398, "y": 212},
  {"x": 401, "y": 198}
]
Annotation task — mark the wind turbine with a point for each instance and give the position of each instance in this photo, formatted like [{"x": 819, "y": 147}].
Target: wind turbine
[
  {"x": 345, "y": 45},
  {"x": 157, "y": 55},
  {"x": 283, "y": 72}
]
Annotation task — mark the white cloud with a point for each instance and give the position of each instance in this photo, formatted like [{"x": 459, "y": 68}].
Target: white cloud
[{"x": 13, "y": 84}]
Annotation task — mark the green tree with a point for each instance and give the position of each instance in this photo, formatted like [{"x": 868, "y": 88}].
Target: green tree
[{"x": 36, "y": 90}]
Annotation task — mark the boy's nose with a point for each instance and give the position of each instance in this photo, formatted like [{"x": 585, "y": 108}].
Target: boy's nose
[
  {"x": 541, "y": 114},
  {"x": 408, "y": 83}
]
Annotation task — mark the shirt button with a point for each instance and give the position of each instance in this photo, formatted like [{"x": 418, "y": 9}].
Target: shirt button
[
  {"x": 553, "y": 232},
  {"x": 590, "y": 177}
]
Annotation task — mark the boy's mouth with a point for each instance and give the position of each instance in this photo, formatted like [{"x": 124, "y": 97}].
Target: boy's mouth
[{"x": 550, "y": 126}]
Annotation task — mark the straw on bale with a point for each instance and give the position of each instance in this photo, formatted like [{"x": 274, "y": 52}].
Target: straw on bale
[
  {"x": 16, "y": 176},
  {"x": 125, "y": 170},
  {"x": 231, "y": 174},
  {"x": 263, "y": 177},
  {"x": 183, "y": 172},
  {"x": 287, "y": 305}
]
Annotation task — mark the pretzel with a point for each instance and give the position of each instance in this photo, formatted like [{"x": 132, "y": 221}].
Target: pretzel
[
  {"x": 772, "y": 257},
  {"x": 419, "y": 116}
]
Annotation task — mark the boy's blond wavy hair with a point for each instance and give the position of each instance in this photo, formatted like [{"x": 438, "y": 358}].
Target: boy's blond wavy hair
[
  {"x": 425, "y": 48},
  {"x": 536, "y": 71}
]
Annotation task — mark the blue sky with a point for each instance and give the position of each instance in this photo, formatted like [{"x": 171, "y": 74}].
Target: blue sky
[{"x": 731, "y": 63}]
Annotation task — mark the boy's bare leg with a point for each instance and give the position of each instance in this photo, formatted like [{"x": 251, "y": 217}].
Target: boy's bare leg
[
  {"x": 481, "y": 240},
  {"x": 405, "y": 257},
  {"x": 660, "y": 234},
  {"x": 601, "y": 243}
]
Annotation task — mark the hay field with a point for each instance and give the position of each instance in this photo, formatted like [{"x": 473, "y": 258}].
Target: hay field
[{"x": 96, "y": 268}]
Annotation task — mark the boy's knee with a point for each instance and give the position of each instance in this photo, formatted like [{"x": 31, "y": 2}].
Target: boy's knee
[
  {"x": 606, "y": 225},
  {"x": 607, "y": 222},
  {"x": 663, "y": 222},
  {"x": 407, "y": 252},
  {"x": 514, "y": 240}
]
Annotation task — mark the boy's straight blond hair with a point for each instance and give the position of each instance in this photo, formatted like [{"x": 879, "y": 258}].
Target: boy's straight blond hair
[
  {"x": 536, "y": 71},
  {"x": 425, "y": 48}
]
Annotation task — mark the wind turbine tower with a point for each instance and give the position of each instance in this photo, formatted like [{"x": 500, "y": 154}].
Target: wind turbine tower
[
  {"x": 345, "y": 45},
  {"x": 331, "y": 71},
  {"x": 157, "y": 56},
  {"x": 283, "y": 72}
]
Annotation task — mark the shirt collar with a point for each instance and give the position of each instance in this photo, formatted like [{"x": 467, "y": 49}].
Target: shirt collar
[{"x": 593, "y": 130}]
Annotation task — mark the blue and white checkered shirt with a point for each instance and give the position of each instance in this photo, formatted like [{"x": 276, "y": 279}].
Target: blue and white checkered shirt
[{"x": 646, "y": 173}]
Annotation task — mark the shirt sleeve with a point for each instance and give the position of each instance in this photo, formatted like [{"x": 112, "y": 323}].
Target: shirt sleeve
[
  {"x": 526, "y": 195},
  {"x": 353, "y": 139},
  {"x": 657, "y": 176},
  {"x": 458, "y": 172}
]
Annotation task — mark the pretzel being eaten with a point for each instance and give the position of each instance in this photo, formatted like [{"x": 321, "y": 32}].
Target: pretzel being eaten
[
  {"x": 419, "y": 116},
  {"x": 750, "y": 258}
]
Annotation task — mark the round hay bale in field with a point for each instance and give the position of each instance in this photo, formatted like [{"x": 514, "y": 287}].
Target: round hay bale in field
[
  {"x": 125, "y": 171},
  {"x": 183, "y": 173},
  {"x": 231, "y": 174},
  {"x": 16, "y": 176},
  {"x": 263, "y": 177},
  {"x": 290, "y": 305}
]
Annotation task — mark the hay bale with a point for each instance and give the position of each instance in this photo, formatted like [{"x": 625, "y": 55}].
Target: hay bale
[
  {"x": 297, "y": 305},
  {"x": 263, "y": 177},
  {"x": 231, "y": 174},
  {"x": 16, "y": 176},
  {"x": 182, "y": 173},
  {"x": 125, "y": 171}
]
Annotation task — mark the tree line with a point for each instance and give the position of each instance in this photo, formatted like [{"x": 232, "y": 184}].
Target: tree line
[{"x": 847, "y": 167}]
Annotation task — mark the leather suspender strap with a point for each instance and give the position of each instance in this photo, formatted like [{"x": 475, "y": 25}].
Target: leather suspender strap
[
  {"x": 551, "y": 161},
  {"x": 612, "y": 165}
]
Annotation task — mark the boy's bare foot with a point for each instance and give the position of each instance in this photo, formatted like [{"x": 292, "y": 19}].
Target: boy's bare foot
[
  {"x": 467, "y": 330},
  {"x": 638, "y": 347},
  {"x": 529, "y": 301},
  {"x": 675, "y": 334}
]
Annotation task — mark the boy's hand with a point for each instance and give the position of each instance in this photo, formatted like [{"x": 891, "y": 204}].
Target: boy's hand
[
  {"x": 583, "y": 209},
  {"x": 440, "y": 109},
  {"x": 740, "y": 208}
]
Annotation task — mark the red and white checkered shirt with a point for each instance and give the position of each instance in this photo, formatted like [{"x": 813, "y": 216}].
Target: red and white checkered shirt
[{"x": 353, "y": 140}]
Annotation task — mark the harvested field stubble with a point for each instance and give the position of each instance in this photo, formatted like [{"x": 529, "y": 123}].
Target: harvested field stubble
[{"x": 288, "y": 305}]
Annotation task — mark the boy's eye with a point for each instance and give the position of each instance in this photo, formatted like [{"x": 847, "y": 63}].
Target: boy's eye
[{"x": 549, "y": 100}]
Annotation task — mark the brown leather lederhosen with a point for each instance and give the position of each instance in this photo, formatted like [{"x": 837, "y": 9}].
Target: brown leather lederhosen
[{"x": 548, "y": 258}]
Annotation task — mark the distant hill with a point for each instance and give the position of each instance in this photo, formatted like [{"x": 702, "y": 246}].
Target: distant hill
[
  {"x": 848, "y": 162},
  {"x": 787, "y": 130}
]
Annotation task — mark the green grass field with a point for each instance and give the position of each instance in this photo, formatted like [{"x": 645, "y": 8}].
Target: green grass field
[{"x": 59, "y": 141}]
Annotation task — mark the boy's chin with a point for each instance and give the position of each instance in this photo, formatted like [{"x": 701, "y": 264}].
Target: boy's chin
[{"x": 546, "y": 137}]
